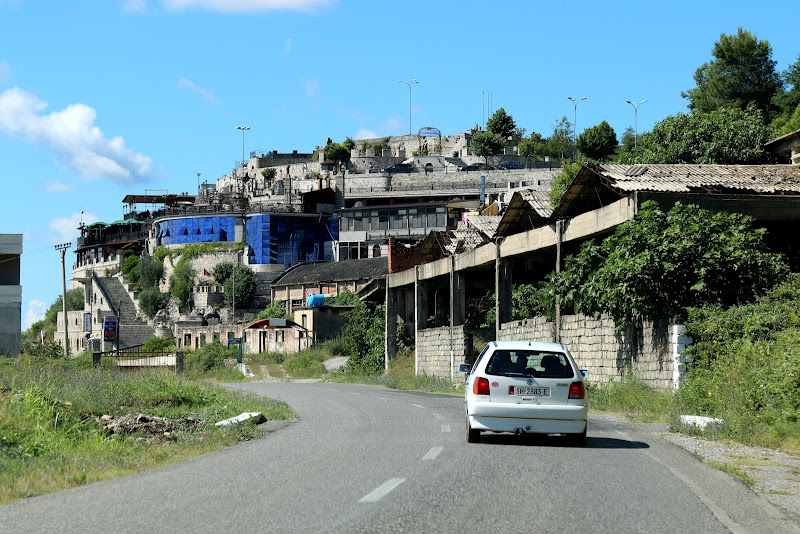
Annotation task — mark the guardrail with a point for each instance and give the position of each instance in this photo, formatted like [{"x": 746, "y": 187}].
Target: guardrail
[{"x": 135, "y": 358}]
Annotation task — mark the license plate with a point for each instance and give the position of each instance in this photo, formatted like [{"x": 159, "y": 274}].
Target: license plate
[{"x": 531, "y": 391}]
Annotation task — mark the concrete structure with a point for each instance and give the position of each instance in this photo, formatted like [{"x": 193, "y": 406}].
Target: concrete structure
[
  {"x": 10, "y": 295},
  {"x": 599, "y": 199}
]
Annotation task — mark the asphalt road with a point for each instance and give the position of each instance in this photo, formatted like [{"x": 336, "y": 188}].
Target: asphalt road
[{"x": 364, "y": 459}]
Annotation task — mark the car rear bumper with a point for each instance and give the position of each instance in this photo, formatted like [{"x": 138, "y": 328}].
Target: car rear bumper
[
  {"x": 532, "y": 426},
  {"x": 547, "y": 419}
]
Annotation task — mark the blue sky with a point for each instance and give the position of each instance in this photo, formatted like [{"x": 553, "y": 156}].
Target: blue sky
[{"x": 103, "y": 98}]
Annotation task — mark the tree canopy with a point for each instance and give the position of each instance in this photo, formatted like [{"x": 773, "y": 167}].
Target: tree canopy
[
  {"x": 246, "y": 282},
  {"x": 660, "y": 263},
  {"x": 486, "y": 144},
  {"x": 598, "y": 142},
  {"x": 560, "y": 141},
  {"x": 788, "y": 101},
  {"x": 724, "y": 136},
  {"x": 528, "y": 146},
  {"x": 742, "y": 72},
  {"x": 337, "y": 152},
  {"x": 501, "y": 123}
]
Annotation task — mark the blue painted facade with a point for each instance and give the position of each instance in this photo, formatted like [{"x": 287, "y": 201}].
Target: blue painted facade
[
  {"x": 272, "y": 238},
  {"x": 288, "y": 240}
]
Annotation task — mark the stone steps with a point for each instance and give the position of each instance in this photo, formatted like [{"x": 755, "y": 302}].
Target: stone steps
[{"x": 132, "y": 330}]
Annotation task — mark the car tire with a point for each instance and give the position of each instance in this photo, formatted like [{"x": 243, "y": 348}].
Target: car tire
[
  {"x": 578, "y": 440},
  {"x": 473, "y": 434}
]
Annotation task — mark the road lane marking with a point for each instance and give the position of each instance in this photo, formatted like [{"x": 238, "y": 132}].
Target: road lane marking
[
  {"x": 438, "y": 416},
  {"x": 356, "y": 394},
  {"x": 384, "y": 398},
  {"x": 418, "y": 406},
  {"x": 433, "y": 453},
  {"x": 381, "y": 491},
  {"x": 445, "y": 427}
]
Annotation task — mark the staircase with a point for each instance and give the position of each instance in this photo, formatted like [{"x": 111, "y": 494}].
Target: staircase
[{"x": 132, "y": 331}]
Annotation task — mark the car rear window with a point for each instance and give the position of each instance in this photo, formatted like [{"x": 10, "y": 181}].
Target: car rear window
[{"x": 537, "y": 364}]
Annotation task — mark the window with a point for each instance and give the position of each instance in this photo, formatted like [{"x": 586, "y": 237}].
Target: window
[
  {"x": 398, "y": 219},
  {"x": 416, "y": 217},
  {"x": 345, "y": 223},
  {"x": 437, "y": 216},
  {"x": 376, "y": 251},
  {"x": 358, "y": 224}
]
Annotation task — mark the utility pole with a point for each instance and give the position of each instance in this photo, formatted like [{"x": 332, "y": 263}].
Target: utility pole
[{"x": 63, "y": 249}]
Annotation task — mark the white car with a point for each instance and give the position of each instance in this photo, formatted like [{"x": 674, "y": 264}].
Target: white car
[{"x": 526, "y": 387}]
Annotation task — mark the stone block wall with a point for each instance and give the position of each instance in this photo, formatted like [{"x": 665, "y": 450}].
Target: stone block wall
[
  {"x": 648, "y": 350},
  {"x": 433, "y": 351},
  {"x": 652, "y": 351}
]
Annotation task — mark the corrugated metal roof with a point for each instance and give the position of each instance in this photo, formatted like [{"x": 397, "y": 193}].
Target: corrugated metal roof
[
  {"x": 527, "y": 209},
  {"x": 485, "y": 223},
  {"x": 758, "y": 179},
  {"x": 333, "y": 271}
]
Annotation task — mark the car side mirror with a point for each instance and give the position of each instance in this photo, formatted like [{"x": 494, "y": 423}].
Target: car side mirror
[
  {"x": 464, "y": 368},
  {"x": 584, "y": 373}
]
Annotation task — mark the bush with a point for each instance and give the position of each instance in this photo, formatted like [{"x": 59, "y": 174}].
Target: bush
[
  {"x": 275, "y": 310},
  {"x": 364, "y": 336},
  {"x": 211, "y": 355},
  {"x": 159, "y": 344},
  {"x": 306, "y": 364},
  {"x": 151, "y": 301},
  {"x": 151, "y": 271},
  {"x": 246, "y": 282}
]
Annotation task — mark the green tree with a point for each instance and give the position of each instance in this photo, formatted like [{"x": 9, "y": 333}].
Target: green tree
[
  {"x": 74, "y": 302},
  {"x": 725, "y": 136},
  {"x": 628, "y": 147},
  {"x": 501, "y": 123},
  {"x": 131, "y": 268},
  {"x": 337, "y": 152},
  {"x": 560, "y": 141},
  {"x": 742, "y": 72},
  {"x": 345, "y": 298},
  {"x": 598, "y": 142},
  {"x": 364, "y": 336},
  {"x": 222, "y": 271},
  {"x": 486, "y": 144},
  {"x": 562, "y": 180},
  {"x": 528, "y": 145},
  {"x": 660, "y": 263},
  {"x": 348, "y": 143},
  {"x": 246, "y": 282},
  {"x": 151, "y": 271},
  {"x": 275, "y": 310},
  {"x": 788, "y": 101},
  {"x": 182, "y": 283},
  {"x": 151, "y": 301}
]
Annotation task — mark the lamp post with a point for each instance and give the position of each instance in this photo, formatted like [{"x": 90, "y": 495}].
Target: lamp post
[
  {"x": 635, "y": 119},
  {"x": 63, "y": 249},
  {"x": 243, "y": 129},
  {"x": 575, "y": 124},
  {"x": 409, "y": 84}
]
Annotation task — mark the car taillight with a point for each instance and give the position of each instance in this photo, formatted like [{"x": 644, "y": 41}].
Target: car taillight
[
  {"x": 480, "y": 386},
  {"x": 576, "y": 390}
]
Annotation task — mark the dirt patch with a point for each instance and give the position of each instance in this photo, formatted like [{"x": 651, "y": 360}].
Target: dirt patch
[{"x": 146, "y": 428}]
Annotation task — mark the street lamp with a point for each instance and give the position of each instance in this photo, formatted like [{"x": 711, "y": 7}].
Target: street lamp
[
  {"x": 635, "y": 119},
  {"x": 575, "y": 123},
  {"x": 409, "y": 100},
  {"x": 243, "y": 129}
]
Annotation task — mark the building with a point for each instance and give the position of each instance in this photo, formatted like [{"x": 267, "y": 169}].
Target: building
[{"x": 10, "y": 295}]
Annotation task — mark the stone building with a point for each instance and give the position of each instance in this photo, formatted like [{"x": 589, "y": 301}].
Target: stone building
[{"x": 10, "y": 295}]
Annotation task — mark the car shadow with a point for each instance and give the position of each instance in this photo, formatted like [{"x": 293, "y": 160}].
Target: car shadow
[{"x": 592, "y": 442}]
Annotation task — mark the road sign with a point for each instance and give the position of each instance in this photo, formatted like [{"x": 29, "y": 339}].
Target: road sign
[{"x": 235, "y": 341}]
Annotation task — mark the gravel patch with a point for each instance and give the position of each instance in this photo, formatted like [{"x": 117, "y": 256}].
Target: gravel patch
[{"x": 776, "y": 474}]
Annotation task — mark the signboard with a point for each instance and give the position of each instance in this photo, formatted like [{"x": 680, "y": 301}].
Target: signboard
[
  {"x": 110, "y": 329},
  {"x": 235, "y": 341},
  {"x": 87, "y": 322}
]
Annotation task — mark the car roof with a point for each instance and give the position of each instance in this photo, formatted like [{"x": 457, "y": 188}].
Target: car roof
[{"x": 535, "y": 345}]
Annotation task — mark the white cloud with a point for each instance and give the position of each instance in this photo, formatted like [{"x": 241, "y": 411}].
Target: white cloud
[
  {"x": 36, "y": 311},
  {"x": 66, "y": 228},
  {"x": 71, "y": 133},
  {"x": 58, "y": 187},
  {"x": 312, "y": 88},
  {"x": 135, "y": 6},
  {"x": 246, "y": 6},
  {"x": 207, "y": 94},
  {"x": 363, "y": 133},
  {"x": 288, "y": 47},
  {"x": 5, "y": 72}
]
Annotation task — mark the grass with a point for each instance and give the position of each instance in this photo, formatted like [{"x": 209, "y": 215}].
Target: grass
[
  {"x": 734, "y": 470},
  {"x": 50, "y": 439},
  {"x": 630, "y": 398},
  {"x": 400, "y": 375}
]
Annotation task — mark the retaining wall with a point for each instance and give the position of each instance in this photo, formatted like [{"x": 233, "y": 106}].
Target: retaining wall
[{"x": 652, "y": 351}]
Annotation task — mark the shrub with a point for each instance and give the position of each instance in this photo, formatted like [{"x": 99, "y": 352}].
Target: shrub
[
  {"x": 275, "y": 310},
  {"x": 151, "y": 301},
  {"x": 211, "y": 355},
  {"x": 182, "y": 282},
  {"x": 364, "y": 336}
]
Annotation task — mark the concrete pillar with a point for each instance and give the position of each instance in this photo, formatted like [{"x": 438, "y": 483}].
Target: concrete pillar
[
  {"x": 420, "y": 312},
  {"x": 503, "y": 287},
  {"x": 559, "y": 236},
  {"x": 457, "y": 295},
  {"x": 391, "y": 325}
]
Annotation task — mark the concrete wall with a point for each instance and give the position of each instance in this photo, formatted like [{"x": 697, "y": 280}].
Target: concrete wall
[
  {"x": 10, "y": 294},
  {"x": 653, "y": 352}
]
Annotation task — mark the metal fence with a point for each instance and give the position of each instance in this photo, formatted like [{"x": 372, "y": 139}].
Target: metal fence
[{"x": 135, "y": 358}]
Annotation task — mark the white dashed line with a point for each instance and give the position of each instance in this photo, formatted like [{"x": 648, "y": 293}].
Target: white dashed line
[
  {"x": 384, "y": 398},
  {"x": 433, "y": 453},
  {"x": 438, "y": 416},
  {"x": 381, "y": 491},
  {"x": 417, "y": 406},
  {"x": 445, "y": 428}
]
